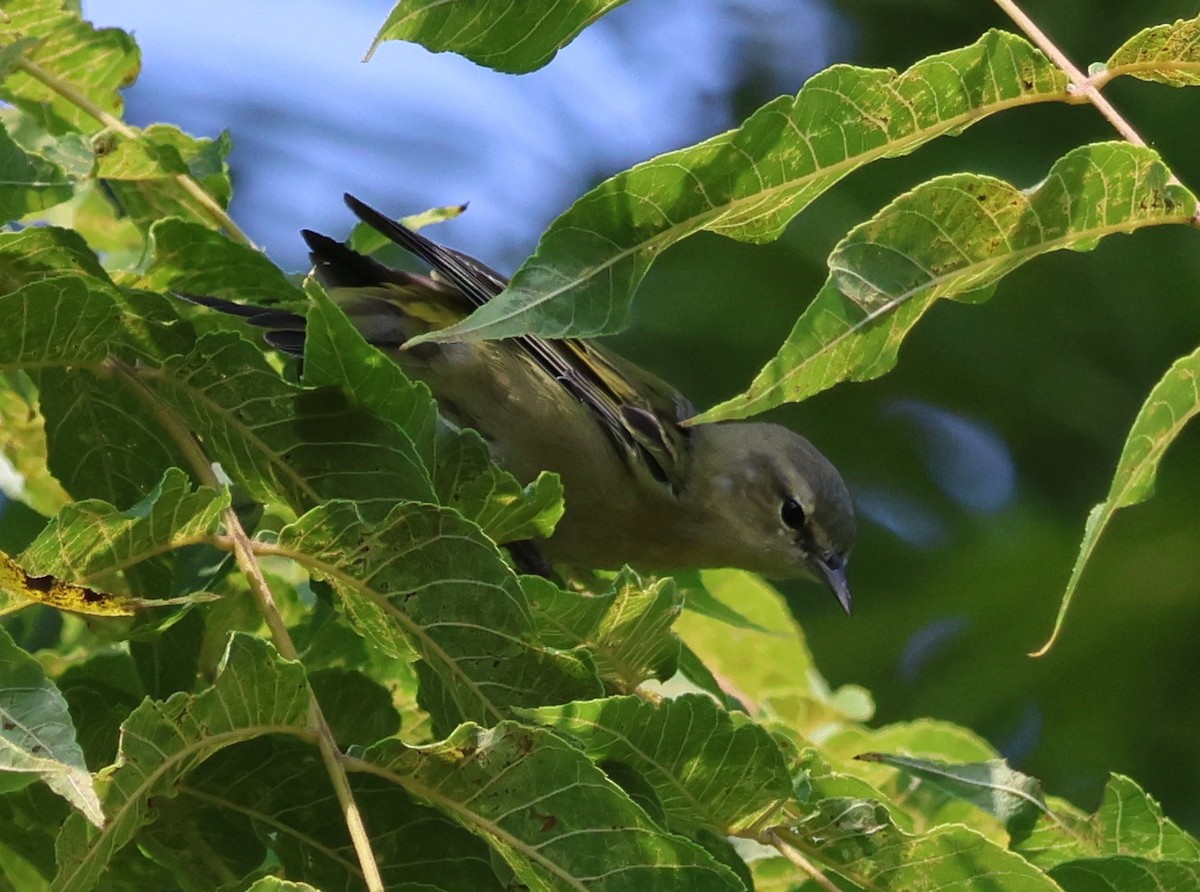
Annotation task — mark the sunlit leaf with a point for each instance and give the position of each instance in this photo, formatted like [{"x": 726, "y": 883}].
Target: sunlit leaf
[
  {"x": 1171, "y": 404},
  {"x": 192, "y": 258},
  {"x": 512, "y": 37},
  {"x": 255, "y": 693},
  {"x": 1013, "y": 797},
  {"x": 1128, "y": 822},
  {"x": 94, "y": 62},
  {"x": 710, "y": 768},
  {"x": 1168, "y": 54},
  {"x": 555, "y": 818},
  {"x": 858, "y": 837},
  {"x": 37, "y": 736},
  {"x": 954, "y": 237},
  {"x": 28, "y": 183},
  {"x": 90, "y": 540},
  {"x": 748, "y": 183},
  {"x": 142, "y": 173},
  {"x": 627, "y": 629}
]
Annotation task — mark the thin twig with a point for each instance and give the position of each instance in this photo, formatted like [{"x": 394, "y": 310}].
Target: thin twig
[
  {"x": 772, "y": 839},
  {"x": 1084, "y": 86},
  {"x": 243, "y": 551},
  {"x": 183, "y": 180}
]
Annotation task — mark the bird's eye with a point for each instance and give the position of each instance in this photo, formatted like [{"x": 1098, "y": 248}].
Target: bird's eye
[{"x": 792, "y": 513}]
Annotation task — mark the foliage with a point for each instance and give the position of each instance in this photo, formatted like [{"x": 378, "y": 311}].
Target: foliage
[{"x": 423, "y": 716}]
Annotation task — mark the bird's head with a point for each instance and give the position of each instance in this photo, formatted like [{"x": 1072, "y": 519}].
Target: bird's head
[{"x": 776, "y": 505}]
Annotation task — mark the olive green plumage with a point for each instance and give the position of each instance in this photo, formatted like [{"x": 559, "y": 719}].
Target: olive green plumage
[{"x": 640, "y": 487}]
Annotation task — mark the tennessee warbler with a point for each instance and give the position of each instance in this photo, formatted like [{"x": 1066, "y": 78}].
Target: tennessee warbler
[{"x": 641, "y": 488}]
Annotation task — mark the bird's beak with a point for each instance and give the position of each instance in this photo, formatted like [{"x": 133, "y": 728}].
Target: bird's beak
[{"x": 834, "y": 568}]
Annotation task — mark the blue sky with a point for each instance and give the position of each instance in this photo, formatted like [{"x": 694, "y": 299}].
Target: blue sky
[{"x": 411, "y": 129}]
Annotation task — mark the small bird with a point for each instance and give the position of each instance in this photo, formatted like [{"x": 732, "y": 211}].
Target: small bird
[{"x": 641, "y": 488}]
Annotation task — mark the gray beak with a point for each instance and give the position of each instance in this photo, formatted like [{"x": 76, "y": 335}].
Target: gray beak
[{"x": 834, "y": 568}]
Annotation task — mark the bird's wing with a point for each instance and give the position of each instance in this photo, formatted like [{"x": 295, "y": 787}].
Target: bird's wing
[{"x": 639, "y": 412}]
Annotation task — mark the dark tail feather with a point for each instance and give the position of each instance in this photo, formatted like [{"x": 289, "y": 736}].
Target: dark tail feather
[
  {"x": 338, "y": 266},
  {"x": 477, "y": 282},
  {"x": 285, "y": 329}
]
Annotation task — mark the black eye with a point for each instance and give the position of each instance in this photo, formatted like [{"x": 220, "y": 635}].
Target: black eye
[{"x": 792, "y": 513}]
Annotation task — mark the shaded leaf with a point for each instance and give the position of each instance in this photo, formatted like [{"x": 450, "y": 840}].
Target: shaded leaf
[
  {"x": 46, "y": 252},
  {"x": 748, "y": 183},
  {"x": 255, "y": 693},
  {"x": 469, "y": 481},
  {"x": 301, "y": 445},
  {"x": 1171, "y": 404},
  {"x": 426, "y": 581},
  {"x": 37, "y": 736},
  {"x": 1122, "y": 873},
  {"x": 954, "y": 237},
  {"x": 710, "y": 769},
  {"x": 511, "y": 37},
  {"x": 271, "y": 798},
  {"x": 1168, "y": 54},
  {"x": 558, "y": 822}
]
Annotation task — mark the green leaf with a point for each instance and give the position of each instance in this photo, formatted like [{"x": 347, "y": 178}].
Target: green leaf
[
  {"x": 748, "y": 183},
  {"x": 511, "y": 37},
  {"x": 94, "y": 62},
  {"x": 954, "y": 237},
  {"x": 270, "y": 800},
  {"x": 469, "y": 481},
  {"x": 1167, "y": 54},
  {"x": 302, "y": 445},
  {"x": 57, "y": 322},
  {"x": 464, "y": 475},
  {"x": 192, "y": 258},
  {"x": 858, "y": 838},
  {"x": 1171, "y": 404},
  {"x": 772, "y": 671},
  {"x": 552, "y": 815},
  {"x": 710, "y": 769},
  {"x": 255, "y": 693},
  {"x": 44, "y": 252},
  {"x": 627, "y": 629},
  {"x": 91, "y": 539},
  {"x": 336, "y": 353},
  {"x": 1013, "y": 797},
  {"x": 23, "y": 444},
  {"x": 1125, "y": 874},
  {"x": 37, "y": 736},
  {"x": 425, "y": 580},
  {"x": 142, "y": 173},
  {"x": 1128, "y": 822},
  {"x": 28, "y": 182}
]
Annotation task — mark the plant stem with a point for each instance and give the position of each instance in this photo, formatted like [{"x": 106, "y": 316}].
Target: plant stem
[
  {"x": 1084, "y": 86},
  {"x": 772, "y": 839},
  {"x": 243, "y": 551},
  {"x": 183, "y": 180}
]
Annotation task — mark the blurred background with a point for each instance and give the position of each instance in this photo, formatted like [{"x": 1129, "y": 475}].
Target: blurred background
[{"x": 973, "y": 465}]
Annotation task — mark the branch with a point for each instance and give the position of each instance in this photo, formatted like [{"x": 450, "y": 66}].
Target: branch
[
  {"x": 771, "y": 838},
  {"x": 1084, "y": 87}
]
